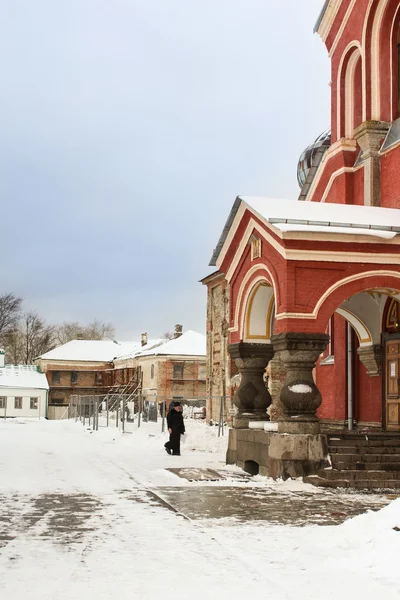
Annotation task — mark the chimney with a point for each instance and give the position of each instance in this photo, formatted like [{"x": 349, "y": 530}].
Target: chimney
[
  {"x": 145, "y": 339},
  {"x": 1, "y": 357},
  {"x": 178, "y": 331}
]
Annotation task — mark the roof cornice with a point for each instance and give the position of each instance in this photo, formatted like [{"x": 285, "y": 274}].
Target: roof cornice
[{"x": 327, "y": 18}]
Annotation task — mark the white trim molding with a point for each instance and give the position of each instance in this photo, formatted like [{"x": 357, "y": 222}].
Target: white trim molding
[{"x": 342, "y": 27}]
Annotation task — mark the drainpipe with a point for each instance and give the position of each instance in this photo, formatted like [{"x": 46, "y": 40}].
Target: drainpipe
[{"x": 349, "y": 378}]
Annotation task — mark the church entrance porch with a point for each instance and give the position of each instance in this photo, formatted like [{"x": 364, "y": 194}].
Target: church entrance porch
[{"x": 309, "y": 289}]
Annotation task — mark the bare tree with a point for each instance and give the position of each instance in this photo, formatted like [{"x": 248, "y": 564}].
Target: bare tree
[
  {"x": 97, "y": 330},
  {"x": 35, "y": 337},
  {"x": 10, "y": 309}
]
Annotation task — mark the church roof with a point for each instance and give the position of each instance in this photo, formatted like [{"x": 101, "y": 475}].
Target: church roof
[{"x": 312, "y": 217}]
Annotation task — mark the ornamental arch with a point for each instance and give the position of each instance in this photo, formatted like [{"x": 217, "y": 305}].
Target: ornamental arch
[{"x": 381, "y": 39}]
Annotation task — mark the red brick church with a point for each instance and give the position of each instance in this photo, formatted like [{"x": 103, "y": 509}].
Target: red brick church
[{"x": 313, "y": 286}]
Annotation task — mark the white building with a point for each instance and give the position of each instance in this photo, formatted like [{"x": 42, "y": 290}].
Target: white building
[{"x": 23, "y": 390}]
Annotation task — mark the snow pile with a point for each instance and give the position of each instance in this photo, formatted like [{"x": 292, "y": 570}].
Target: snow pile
[
  {"x": 373, "y": 525},
  {"x": 300, "y": 388},
  {"x": 204, "y": 438}
]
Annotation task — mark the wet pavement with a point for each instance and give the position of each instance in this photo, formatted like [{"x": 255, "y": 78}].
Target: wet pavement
[
  {"x": 63, "y": 518},
  {"x": 69, "y": 519},
  {"x": 244, "y": 504}
]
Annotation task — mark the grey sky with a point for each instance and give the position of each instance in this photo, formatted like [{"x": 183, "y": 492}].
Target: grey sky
[{"x": 127, "y": 129}]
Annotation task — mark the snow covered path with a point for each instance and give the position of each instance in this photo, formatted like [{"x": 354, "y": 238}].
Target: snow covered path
[{"x": 84, "y": 519}]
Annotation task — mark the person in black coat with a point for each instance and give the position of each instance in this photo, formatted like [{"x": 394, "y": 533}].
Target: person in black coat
[{"x": 176, "y": 428}]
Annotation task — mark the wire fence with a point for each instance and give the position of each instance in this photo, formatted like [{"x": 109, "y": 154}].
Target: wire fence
[{"x": 129, "y": 413}]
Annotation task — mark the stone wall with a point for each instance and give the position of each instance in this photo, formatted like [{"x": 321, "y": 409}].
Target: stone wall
[{"x": 220, "y": 367}]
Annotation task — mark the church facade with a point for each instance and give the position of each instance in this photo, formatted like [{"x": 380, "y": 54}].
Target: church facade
[{"x": 313, "y": 286}]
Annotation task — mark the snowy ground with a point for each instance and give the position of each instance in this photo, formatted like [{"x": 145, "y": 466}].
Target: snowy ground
[{"x": 96, "y": 515}]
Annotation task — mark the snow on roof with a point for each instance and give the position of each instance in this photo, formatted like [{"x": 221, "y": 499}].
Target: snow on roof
[
  {"x": 326, "y": 214},
  {"x": 90, "y": 350},
  {"x": 22, "y": 376},
  {"x": 189, "y": 343},
  {"x": 139, "y": 349},
  {"x": 316, "y": 217}
]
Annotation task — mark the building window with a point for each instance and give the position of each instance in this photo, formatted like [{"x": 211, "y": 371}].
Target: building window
[
  {"x": 34, "y": 403},
  {"x": 152, "y": 372},
  {"x": 3, "y": 401},
  {"x": 99, "y": 378},
  {"x": 74, "y": 377},
  {"x": 329, "y": 354},
  {"x": 55, "y": 377},
  {"x": 255, "y": 247},
  {"x": 178, "y": 371},
  {"x": 18, "y": 402}
]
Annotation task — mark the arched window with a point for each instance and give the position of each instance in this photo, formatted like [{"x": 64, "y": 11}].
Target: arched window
[
  {"x": 353, "y": 94},
  {"x": 350, "y": 92}
]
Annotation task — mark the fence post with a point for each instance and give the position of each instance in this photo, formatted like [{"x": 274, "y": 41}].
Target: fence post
[
  {"x": 117, "y": 417},
  {"x": 107, "y": 408},
  {"x": 140, "y": 409},
  {"x": 123, "y": 413}
]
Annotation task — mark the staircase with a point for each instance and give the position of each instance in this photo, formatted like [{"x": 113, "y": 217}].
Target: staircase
[
  {"x": 119, "y": 392},
  {"x": 368, "y": 461}
]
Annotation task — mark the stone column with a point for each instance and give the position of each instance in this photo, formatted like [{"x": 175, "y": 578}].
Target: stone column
[
  {"x": 276, "y": 381},
  {"x": 370, "y": 136},
  {"x": 371, "y": 357},
  {"x": 252, "y": 397},
  {"x": 300, "y": 396}
]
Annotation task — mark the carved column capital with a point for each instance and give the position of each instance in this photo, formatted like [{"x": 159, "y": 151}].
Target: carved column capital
[
  {"x": 371, "y": 358},
  {"x": 369, "y": 136}
]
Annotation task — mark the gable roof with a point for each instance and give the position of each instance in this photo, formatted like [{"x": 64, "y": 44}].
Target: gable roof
[
  {"x": 90, "y": 351},
  {"x": 22, "y": 376},
  {"x": 312, "y": 217}
]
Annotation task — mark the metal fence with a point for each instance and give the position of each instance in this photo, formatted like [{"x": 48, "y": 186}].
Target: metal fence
[{"x": 127, "y": 412}]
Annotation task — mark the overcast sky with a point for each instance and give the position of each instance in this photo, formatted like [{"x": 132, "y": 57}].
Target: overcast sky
[{"x": 128, "y": 127}]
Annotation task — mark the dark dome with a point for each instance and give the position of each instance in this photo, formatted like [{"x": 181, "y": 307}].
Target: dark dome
[{"x": 306, "y": 160}]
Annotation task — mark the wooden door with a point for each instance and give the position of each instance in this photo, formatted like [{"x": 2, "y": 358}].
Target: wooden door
[{"x": 392, "y": 385}]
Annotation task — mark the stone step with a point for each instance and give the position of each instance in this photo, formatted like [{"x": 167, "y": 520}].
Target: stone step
[
  {"x": 352, "y": 459},
  {"x": 355, "y": 474},
  {"x": 380, "y": 485},
  {"x": 364, "y": 442},
  {"x": 363, "y": 450},
  {"x": 360, "y": 466}
]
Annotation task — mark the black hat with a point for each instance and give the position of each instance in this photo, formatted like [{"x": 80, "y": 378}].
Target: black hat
[{"x": 176, "y": 403}]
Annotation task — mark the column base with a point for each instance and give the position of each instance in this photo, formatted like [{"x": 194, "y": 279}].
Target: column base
[
  {"x": 275, "y": 455},
  {"x": 242, "y": 420}
]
